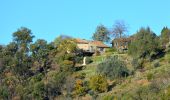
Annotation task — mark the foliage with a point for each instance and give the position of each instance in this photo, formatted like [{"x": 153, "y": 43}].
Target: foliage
[
  {"x": 101, "y": 34},
  {"x": 4, "y": 93},
  {"x": 79, "y": 88},
  {"x": 145, "y": 44},
  {"x": 45, "y": 71},
  {"x": 54, "y": 83},
  {"x": 108, "y": 97},
  {"x": 38, "y": 90},
  {"x": 137, "y": 63},
  {"x": 165, "y": 36},
  {"x": 113, "y": 68},
  {"x": 89, "y": 60},
  {"x": 59, "y": 39},
  {"x": 98, "y": 83},
  {"x": 149, "y": 76},
  {"x": 67, "y": 45},
  {"x": 66, "y": 65},
  {"x": 40, "y": 51},
  {"x": 111, "y": 50},
  {"x": 156, "y": 64}
]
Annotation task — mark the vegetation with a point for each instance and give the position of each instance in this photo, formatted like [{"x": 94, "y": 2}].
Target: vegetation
[
  {"x": 101, "y": 34},
  {"x": 113, "y": 68},
  {"x": 98, "y": 83},
  {"x": 47, "y": 71},
  {"x": 145, "y": 44},
  {"x": 165, "y": 36},
  {"x": 119, "y": 29}
]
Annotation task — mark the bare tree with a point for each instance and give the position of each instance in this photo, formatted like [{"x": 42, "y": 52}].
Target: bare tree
[{"x": 119, "y": 29}]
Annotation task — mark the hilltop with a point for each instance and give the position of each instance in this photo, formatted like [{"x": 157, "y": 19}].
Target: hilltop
[{"x": 135, "y": 67}]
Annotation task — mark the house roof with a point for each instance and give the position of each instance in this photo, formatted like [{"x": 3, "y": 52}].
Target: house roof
[
  {"x": 122, "y": 39},
  {"x": 99, "y": 44},
  {"x": 81, "y": 41}
]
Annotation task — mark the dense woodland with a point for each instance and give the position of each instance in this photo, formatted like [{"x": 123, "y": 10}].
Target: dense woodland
[{"x": 52, "y": 71}]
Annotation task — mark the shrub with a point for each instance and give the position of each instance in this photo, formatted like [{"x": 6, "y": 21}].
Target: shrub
[
  {"x": 168, "y": 57},
  {"x": 111, "y": 50},
  {"x": 156, "y": 64},
  {"x": 79, "y": 59},
  {"x": 97, "y": 53},
  {"x": 4, "y": 93},
  {"x": 137, "y": 63},
  {"x": 98, "y": 83},
  {"x": 149, "y": 76},
  {"x": 38, "y": 90},
  {"x": 80, "y": 75},
  {"x": 167, "y": 94},
  {"x": 79, "y": 88},
  {"x": 89, "y": 60},
  {"x": 67, "y": 65},
  {"x": 55, "y": 82},
  {"x": 108, "y": 97},
  {"x": 113, "y": 68}
]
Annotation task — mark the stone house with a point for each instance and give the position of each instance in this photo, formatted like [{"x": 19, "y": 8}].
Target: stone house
[
  {"x": 121, "y": 44},
  {"x": 91, "y": 46}
]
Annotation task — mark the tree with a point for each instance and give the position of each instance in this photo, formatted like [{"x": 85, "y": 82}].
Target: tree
[
  {"x": 119, "y": 29},
  {"x": 101, "y": 34},
  {"x": 55, "y": 83},
  {"x": 165, "y": 36},
  {"x": 145, "y": 44},
  {"x": 1, "y": 59},
  {"x": 22, "y": 39},
  {"x": 59, "y": 39},
  {"x": 66, "y": 45},
  {"x": 40, "y": 51}
]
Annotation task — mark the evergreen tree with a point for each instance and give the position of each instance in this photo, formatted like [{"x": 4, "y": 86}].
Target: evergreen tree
[
  {"x": 144, "y": 44},
  {"x": 101, "y": 34},
  {"x": 165, "y": 36}
]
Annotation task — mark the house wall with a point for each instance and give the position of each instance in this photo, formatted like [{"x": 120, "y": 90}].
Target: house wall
[
  {"x": 101, "y": 50},
  {"x": 83, "y": 46},
  {"x": 120, "y": 45}
]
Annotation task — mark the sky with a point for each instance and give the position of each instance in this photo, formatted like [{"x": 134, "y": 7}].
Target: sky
[{"x": 79, "y": 18}]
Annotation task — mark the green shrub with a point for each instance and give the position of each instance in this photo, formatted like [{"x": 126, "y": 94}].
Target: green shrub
[
  {"x": 79, "y": 88},
  {"x": 168, "y": 57},
  {"x": 98, "y": 83},
  {"x": 38, "y": 90},
  {"x": 80, "y": 75},
  {"x": 55, "y": 82},
  {"x": 111, "y": 50},
  {"x": 113, "y": 68},
  {"x": 67, "y": 65},
  {"x": 89, "y": 60},
  {"x": 108, "y": 97},
  {"x": 156, "y": 64},
  {"x": 79, "y": 59},
  {"x": 4, "y": 93},
  {"x": 149, "y": 76},
  {"x": 137, "y": 63}
]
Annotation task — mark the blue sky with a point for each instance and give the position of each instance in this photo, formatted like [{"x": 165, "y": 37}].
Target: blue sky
[{"x": 78, "y": 18}]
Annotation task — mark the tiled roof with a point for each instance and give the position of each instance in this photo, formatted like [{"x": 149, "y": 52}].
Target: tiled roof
[
  {"x": 82, "y": 41},
  {"x": 123, "y": 39},
  {"x": 99, "y": 44}
]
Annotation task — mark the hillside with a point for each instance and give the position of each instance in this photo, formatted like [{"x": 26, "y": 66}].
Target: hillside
[
  {"x": 135, "y": 68},
  {"x": 152, "y": 80}
]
